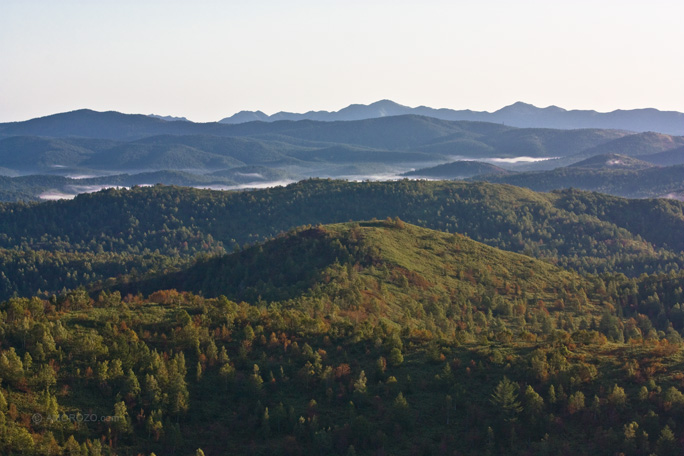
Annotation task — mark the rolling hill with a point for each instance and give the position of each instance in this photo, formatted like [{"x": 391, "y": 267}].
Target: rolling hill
[
  {"x": 159, "y": 228},
  {"x": 127, "y": 328},
  {"x": 31, "y": 153},
  {"x": 88, "y": 143},
  {"x": 639, "y": 145},
  {"x": 630, "y": 180},
  {"x": 668, "y": 157},
  {"x": 390, "y": 133},
  {"x": 93, "y": 145},
  {"x": 297, "y": 264},
  {"x": 350, "y": 333},
  {"x": 612, "y": 161}
]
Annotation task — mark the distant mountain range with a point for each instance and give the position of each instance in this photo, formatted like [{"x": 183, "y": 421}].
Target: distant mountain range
[
  {"x": 517, "y": 115},
  {"x": 91, "y": 150},
  {"x": 93, "y": 143}
]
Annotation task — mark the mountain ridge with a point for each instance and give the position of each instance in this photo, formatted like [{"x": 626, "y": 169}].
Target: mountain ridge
[
  {"x": 519, "y": 114},
  {"x": 86, "y": 143}
]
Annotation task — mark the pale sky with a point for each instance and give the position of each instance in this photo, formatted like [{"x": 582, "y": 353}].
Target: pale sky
[{"x": 206, "y": 60}]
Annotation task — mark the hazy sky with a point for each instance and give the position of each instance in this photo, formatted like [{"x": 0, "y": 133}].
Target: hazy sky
[{"x": 209, "y": 59}]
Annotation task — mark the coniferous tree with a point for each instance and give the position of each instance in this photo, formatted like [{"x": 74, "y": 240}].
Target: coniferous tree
[{"x": 505, "y": 398}]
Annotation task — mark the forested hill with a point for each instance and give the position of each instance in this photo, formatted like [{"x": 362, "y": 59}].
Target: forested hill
[
  {"x": 60, "y": 244},
  {"x": 371, "y": 337},
  {"x": 361, "y": 338},
  {"x": 410, "y": 262}
]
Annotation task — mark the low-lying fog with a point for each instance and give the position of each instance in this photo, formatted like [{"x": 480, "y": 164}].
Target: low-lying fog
[
  {"x": 70, "y": 191},
  {"x": 353, "y": 172}
]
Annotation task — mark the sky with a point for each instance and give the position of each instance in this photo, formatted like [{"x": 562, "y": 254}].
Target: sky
[{"x": 206, "y": 60}]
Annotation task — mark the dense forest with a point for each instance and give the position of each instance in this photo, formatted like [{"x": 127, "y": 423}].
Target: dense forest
[
  {"x": 331, "y": 317},
  {"x": 375, "y": 337},
  {"x": 63, "y": 244}
]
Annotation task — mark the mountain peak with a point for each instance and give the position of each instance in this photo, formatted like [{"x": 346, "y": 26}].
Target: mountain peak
[
  {"x": 386, "y": 103},
  {"x": 381, "y": 108},
  {"x": 246, "y": 116},
  {"x": 518, "y": 107},
  {"x": 519, "y": 104}
]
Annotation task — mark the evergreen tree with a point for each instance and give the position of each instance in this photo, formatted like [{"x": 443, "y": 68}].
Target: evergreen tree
[
  {"x": 505, "y": 398},
  {"x": 120, "y": 420},
  {"x": 395, "y": 357},
  {"x": 360, "y": 383},
  {"x": 132, "y": 384}
]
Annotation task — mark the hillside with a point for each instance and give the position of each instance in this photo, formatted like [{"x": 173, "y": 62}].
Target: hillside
[
  {"x": 668, "y": 157},
  {"x": 577, "y": 230},
  {"x": 629, "y": 179},
  {"x": 544, "y": 142},
  {"x": 369, "y": 337},
  {"x": 612, "y": 161},
  {"x": 29, "y": 153},
  {"x": 410, "y": 261},
  {"x": 641, "y": 145}
]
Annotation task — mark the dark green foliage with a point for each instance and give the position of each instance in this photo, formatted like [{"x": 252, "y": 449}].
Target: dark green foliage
[
  {"x": 360, "y": 338},
  {"x": 505, "y": 398},
  {"x": 583, "y": 231},
  {"x": 296, "y": 378}
]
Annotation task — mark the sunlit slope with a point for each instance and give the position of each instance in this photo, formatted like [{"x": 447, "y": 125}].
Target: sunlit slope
[{"x": 382, "y": 269}]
